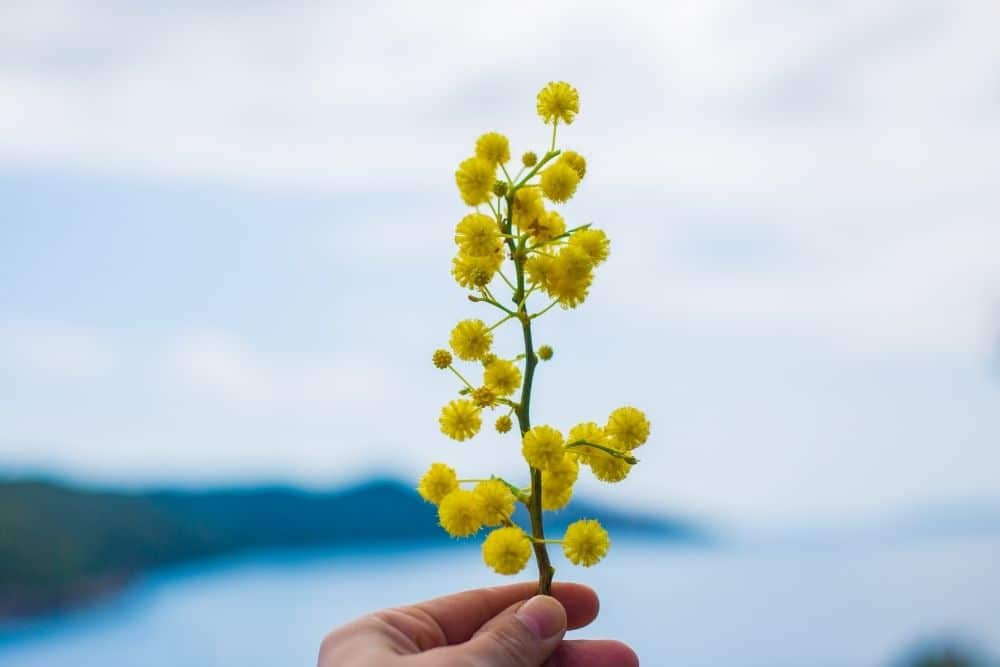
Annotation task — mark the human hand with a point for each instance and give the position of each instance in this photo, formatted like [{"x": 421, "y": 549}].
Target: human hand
[{"x": 494, "y": 627}]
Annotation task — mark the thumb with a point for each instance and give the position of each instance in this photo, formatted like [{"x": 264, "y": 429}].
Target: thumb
[{"x": 524, "y": 638}]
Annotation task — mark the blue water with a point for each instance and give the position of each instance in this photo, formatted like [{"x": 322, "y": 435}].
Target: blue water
[{"x": 845, "y": 606}]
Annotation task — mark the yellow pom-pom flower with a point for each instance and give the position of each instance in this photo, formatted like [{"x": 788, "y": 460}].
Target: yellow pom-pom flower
[
  {"x": 586, "y": 432},
  {"x": 576, "y": 161},
  {"x": 437, "y": 482},
  {"x": 504, "y": 424},
  {"x": 493, "y": 147},
  {"x": 573, "y": 263},
  {"x": 571, "y": 276},
  {"x": 473, "y": 272},
  {"x": 541, "y": 269},
  {"x": 557, "y": 483},
  {"x": 441, "y": 359},
  {"x": 542, "y": 447},
  {"x": 502, "y": 376},
  {"x": 496, "y": 499},
  {"x": 477, "y": 235},
  {"x": 528, "y": 208},
  {"x": 507, "y": 550},
  {"x": 460, "y": 513},
  {"x": 471, "y": 339},
  {"x": 529, "y": 159},
  {"x": 594, "y": 242},
  {"x": 585, "y": 542},
  {"x": 627, "y": 427},
  {"x": 546, "y": 226},
  {"x": 475, "y": 178},
  {"x": 563, "y": 473},
  {"x": 556, "y": 497},
  {"x": 558, "y": 101},
  {"x": 460, "y": 419},
  {"x": 570, "y": 293},
  {"x": 559, "y": 182},
  {"x": 607, "y": 467}
]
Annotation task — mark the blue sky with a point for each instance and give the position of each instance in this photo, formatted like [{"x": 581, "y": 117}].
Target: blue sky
[{"x": 225, "y": 237}]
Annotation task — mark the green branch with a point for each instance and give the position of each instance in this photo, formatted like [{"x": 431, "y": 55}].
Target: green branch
[
  {"x": 617, "y": 453},
  {"x": 534, "y": 170}
]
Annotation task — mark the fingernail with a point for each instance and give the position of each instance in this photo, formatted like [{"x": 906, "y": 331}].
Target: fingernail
[{"x": 543, "y": 615}]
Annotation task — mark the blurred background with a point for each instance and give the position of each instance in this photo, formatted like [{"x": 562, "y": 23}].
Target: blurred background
[{"x": 225, "y": 241}]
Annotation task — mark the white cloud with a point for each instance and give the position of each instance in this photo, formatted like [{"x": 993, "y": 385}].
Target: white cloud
[
  {"x": 222, "y": 368},
  {"x": 770, "y": 173},
  {"x": 206, "y": 400},
  {"x": 853, "y": 130},
  {"x": 44, "y": 353},
  {"x": 865, "y": 97}
]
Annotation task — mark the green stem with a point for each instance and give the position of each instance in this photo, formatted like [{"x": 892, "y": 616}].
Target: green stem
[
  {"x": 509, "y": 181},
  {"x": 486, "y": 299},
  {"x": 545, "y": 569},
  {"x": 546, "y": 309},
  {"x": 556, "y": 238},
  {"x": 534, "y": 170},
  {"x": 618, "y": 454},
  {"x": 462, "y": 378},
  {"x": 487, "y": 293},
  {"x": 507, "y": 280},
  {"x": 518, "y": 494},
  {"x": 500, "y": 322},
  {"x": 524, "y": 299}
]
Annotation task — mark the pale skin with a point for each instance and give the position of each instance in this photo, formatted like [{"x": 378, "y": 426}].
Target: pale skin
[{"x": 505, "y": 626}]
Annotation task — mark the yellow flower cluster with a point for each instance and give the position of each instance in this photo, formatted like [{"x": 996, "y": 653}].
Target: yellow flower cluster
[
  {"x": 514, "y": 248},
  {"x": 607, "y": 450},
  {"x": 491, "y": 502}
]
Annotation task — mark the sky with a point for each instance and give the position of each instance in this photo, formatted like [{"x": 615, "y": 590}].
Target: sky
[{"x": 225, "y": 234}]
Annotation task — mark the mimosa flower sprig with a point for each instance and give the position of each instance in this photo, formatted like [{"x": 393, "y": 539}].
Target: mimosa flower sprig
[{"x": 512, "y": 243}]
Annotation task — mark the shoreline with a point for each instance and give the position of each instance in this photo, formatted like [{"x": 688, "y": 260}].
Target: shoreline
[{"x": 17, "y": 606}]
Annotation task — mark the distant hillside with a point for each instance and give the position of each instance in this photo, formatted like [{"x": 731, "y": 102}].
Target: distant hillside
[{"x": 62, "y": 545}]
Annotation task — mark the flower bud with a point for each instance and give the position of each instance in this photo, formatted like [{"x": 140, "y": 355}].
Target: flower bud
[
  {"x": 442, "y": 358},
  {"x": 504, "y": 424},
  {"x": 484, "y": 397},
  {"x": 545, "y": 352},
  {"x": 529, "y": 159}
]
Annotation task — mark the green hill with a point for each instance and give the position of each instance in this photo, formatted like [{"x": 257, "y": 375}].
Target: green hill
[{"x": 62, "y": 545}]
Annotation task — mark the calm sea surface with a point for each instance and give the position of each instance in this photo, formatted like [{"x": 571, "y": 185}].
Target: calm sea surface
[{"x": 729, "y": 606}]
